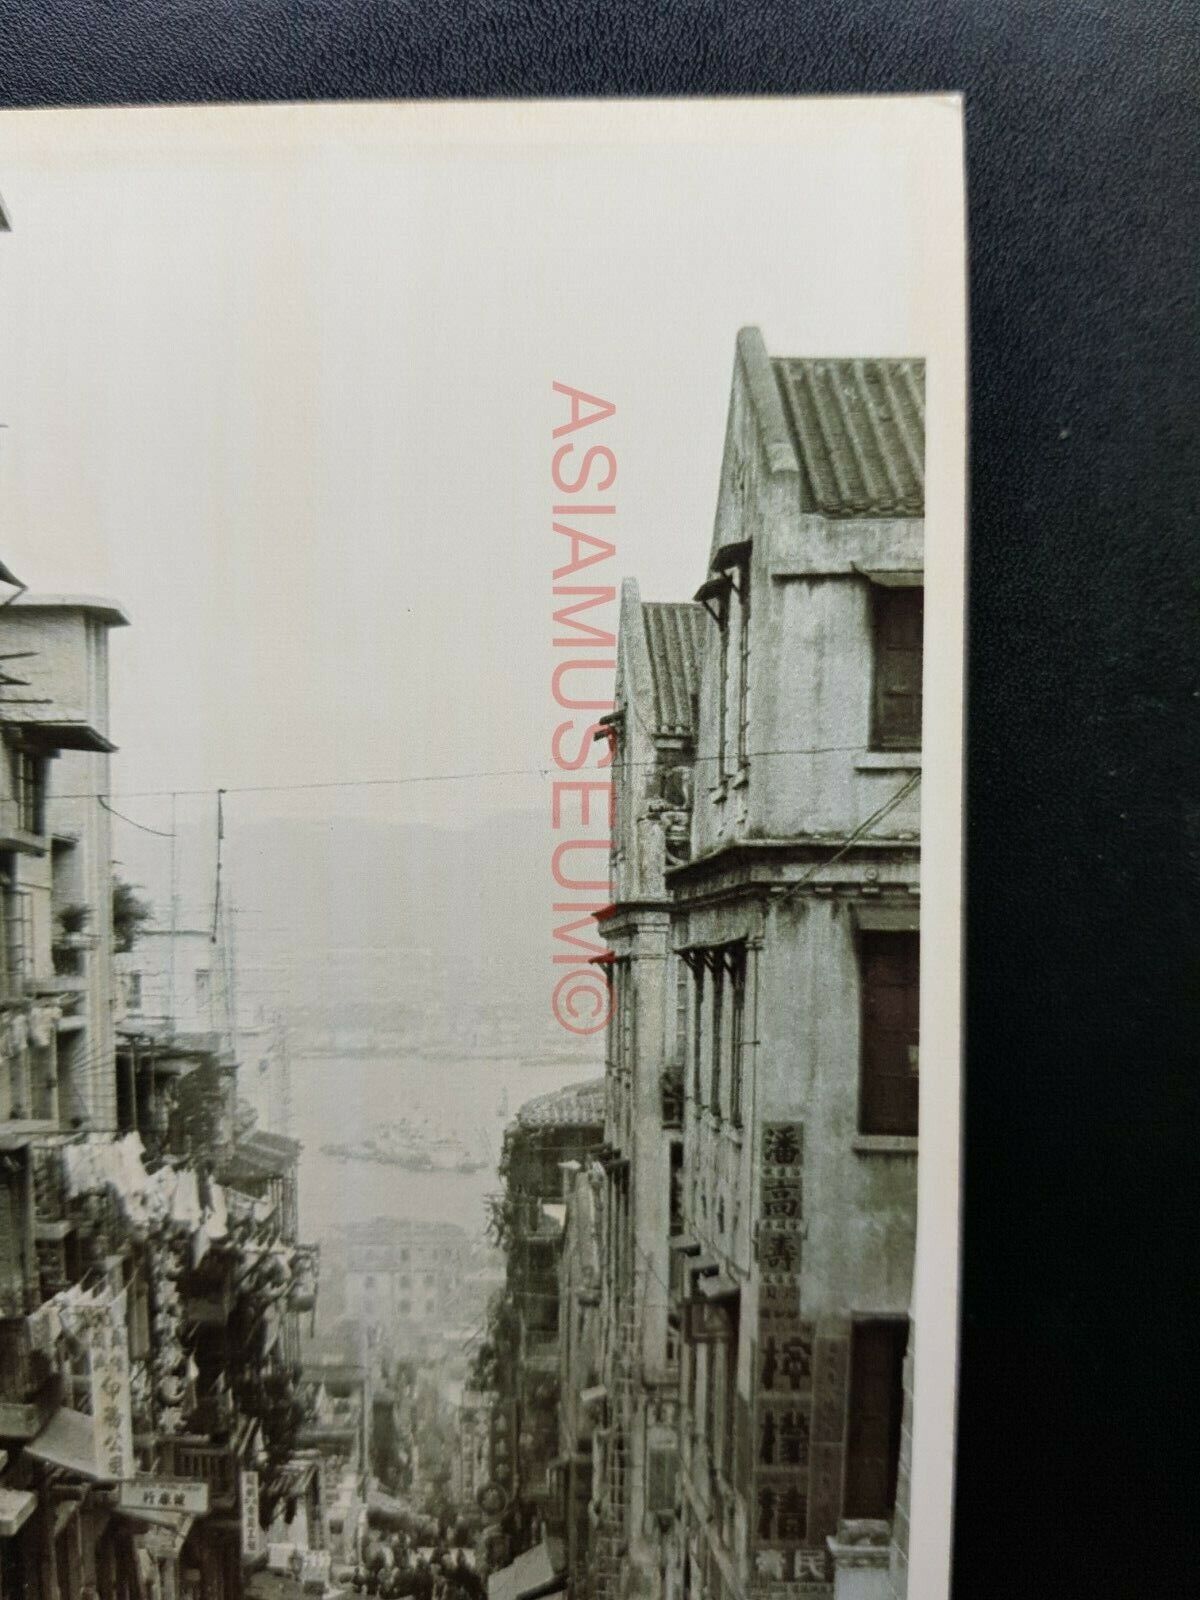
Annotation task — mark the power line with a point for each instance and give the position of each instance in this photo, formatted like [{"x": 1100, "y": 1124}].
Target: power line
[
  {"x": 538, "y": 771},
  {"x": 162, "y": 833},
  {"x": 876, "y": 816}
]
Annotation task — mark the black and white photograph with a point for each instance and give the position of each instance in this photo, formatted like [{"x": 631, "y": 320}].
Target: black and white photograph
[{"x": 481, "y": 696}]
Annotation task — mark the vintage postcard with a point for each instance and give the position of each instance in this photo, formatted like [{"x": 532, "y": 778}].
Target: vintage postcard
[{"x": 481, "y": 635}]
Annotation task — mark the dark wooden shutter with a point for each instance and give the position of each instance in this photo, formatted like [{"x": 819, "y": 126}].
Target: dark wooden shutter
[
  {"x": 899, "y": 626},
  {"x": 12, "y": 1266},
  {"x": 718, "y": 1043},
  {"x": 876, "y": 1407},
  {"x": 661, "y": 1465},
  {"x": 891, "y": 993},
  {"x": 737, "y": 1058}
]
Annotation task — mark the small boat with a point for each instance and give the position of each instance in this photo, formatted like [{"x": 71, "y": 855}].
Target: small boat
[{"x": 411, "y": 1147}]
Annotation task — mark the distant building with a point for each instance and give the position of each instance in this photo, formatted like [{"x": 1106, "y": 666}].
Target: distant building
[
  {"x": 653, "y": 726},
  {"x": 581, "y": 1356},
  {"x": 402, "y": 1278},
  {"x": 566, "y": 1125}
]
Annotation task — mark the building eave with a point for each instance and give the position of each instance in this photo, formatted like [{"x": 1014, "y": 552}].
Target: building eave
[{"x": 106, "y": 611}]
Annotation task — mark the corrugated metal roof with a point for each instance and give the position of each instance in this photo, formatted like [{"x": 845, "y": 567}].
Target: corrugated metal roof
[
  {"x": 578, "y": 1105},
  {"x": 859, "y": 428},
  {"x": 674, "y": 636}
]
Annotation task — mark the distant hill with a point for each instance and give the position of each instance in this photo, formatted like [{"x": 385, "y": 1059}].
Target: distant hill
[{"x": 350, "y": 916}]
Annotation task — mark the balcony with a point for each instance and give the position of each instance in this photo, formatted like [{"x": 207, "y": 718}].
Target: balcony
[
  {"x": 19, "y": 830},
  {"x": 211, "y": 1310},
  {"x": 216, "y": 1465},
  {"x": 671, "y": 1090},
  {"x": 541, "y": 1354},
  {"x": 30, "y": 1387}
]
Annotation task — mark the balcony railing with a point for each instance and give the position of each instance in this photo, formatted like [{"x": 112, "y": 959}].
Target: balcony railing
[{"x": 215, "y": 1465}]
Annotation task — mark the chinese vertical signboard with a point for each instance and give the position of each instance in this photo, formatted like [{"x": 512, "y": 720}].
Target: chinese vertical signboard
[
  {"x": 112, "y": 1422},
  {"x": 783, "y": 1370},
  {"x": 252, "y": 1534}
]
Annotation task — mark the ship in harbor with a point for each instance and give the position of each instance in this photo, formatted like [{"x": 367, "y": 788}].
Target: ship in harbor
[{"x": 411, "y": 1146}]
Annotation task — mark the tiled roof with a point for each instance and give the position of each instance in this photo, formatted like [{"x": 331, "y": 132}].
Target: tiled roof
[
  {"x": 261, "y": 1155},
  {"x": 578, "y": 1105},
  {"x": 674, "y": 633},
  {"x": 859, "y": 430}
]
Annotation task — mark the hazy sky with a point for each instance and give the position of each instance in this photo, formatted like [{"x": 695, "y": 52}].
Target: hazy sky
[{"x": 279, "y": 381}]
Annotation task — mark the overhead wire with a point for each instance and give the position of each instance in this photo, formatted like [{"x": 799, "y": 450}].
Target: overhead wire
[{"x": 539, "y": 770}]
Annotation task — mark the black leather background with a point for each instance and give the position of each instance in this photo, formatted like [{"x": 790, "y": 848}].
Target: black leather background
[{"x": 1083, "y": 748}]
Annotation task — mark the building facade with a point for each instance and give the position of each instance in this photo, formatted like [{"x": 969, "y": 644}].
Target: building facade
[
  {"x": 798, "y": 914},
  {"x": 762, "y": 1063},
  {"x": 401, "y": 1279},
  {"x": 652, "y": 729},
  {"x": 150, "y": 1273},
  {"x": 563, "y": 1127},
  {"x": 580, "y": 1340}
]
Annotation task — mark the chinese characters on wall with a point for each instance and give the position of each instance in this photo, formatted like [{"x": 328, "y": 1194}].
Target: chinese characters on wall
[{"x": 783, "y": 1370}]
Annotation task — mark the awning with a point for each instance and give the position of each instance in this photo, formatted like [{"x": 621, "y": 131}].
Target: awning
[
  {"x": 65, "y": 735},
  {"x": 68, "y": 1441},
  {"x": 717, "y": 1287},
  {"x": 16, "y": 1508},
  {"x": 6, "y": 572},
  {"x": 177, "y": 1521},
  {"x": 536, "y": 1573},
  {"x": 162, "y": 1532}
]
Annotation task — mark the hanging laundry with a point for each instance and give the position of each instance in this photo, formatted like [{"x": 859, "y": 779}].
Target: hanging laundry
[
  {"x": 42, "y": 1021},
  {"x": 185, "y": 1203}
]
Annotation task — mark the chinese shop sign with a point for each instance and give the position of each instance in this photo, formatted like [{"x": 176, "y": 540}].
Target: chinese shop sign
[
  {"x": 112, "y": 1424},
  {"x": 781, "y": 1431},
  {"x": 164, "y": 1494},
  {"x": 252, "y": 1534}
]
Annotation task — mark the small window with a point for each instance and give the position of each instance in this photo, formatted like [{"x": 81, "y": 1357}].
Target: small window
[
  {"x": 203, "y": 987},
  {"x": 876, "y": 1409},
  {"x": 743, "y": 718},
  {"x": 729, "y": 1420},
  {"x": 133, "y": 991},
  {"x": 723, "y": 684},
  {"x": 737, "y": 1064},
  {"x": 661, "y": 1466},
  {"x": 899, "y": 629},
  {"x": 697, "y": 1031},
  {"x": 29, "y": 789},
  {"x": 675, "y": 1192},
  {"x": 891, "y": 995},
  {"x": 718, "y": 1006}
]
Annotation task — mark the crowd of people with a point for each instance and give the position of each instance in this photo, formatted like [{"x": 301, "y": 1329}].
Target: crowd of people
[{"x": 392, "y": 1568}]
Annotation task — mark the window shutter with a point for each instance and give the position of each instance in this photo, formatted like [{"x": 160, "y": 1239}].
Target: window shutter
[
  {"x": 876, "y": 1407},
  {"x": 891, "y": 989},
  {"x": 12, "y": 1276},
  {"x": 899, "y": 627},
  {"x": 661, "y": 1465}
]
